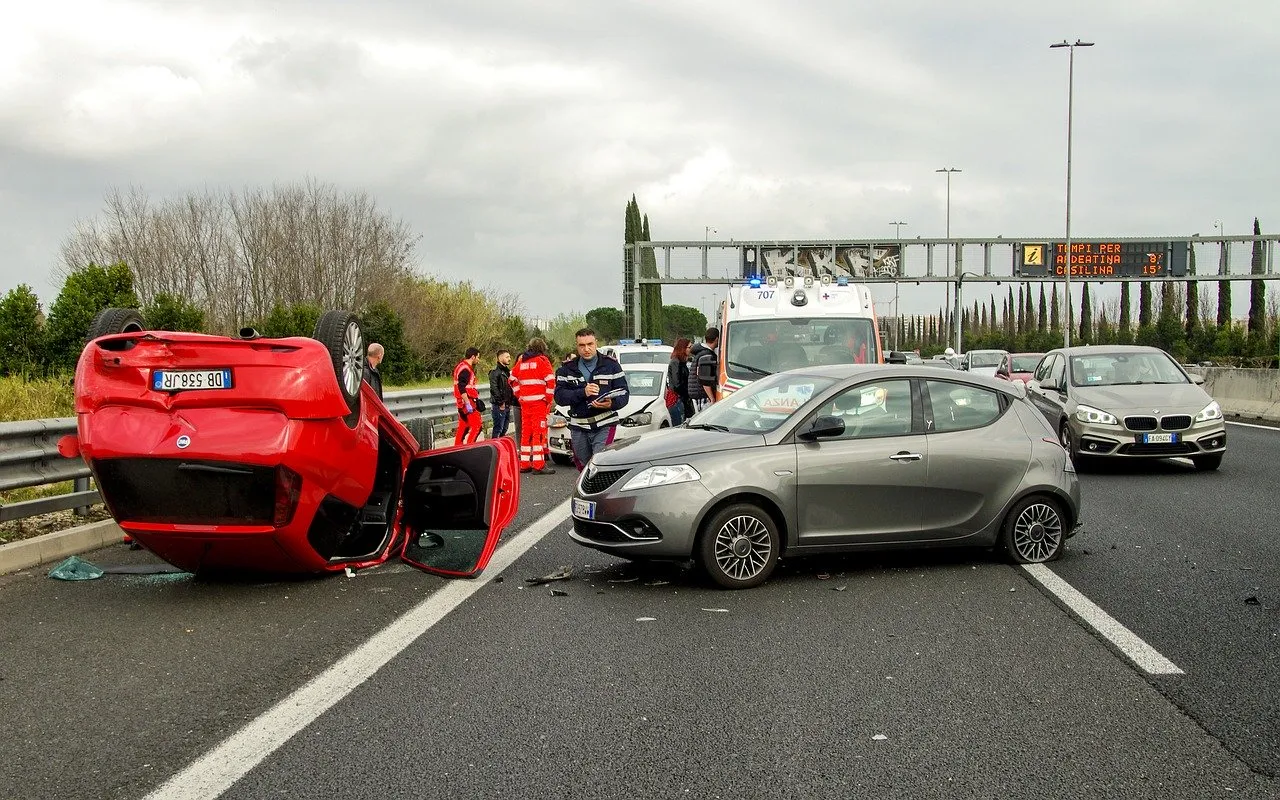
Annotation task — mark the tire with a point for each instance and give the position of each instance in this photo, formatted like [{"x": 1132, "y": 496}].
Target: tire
[
  {"x": 1064, "y": 439},
  {"x": 115, "y": 320},
  {"x": 739, "y": 546},
  {"x": 421, "y": 429},
  {"x": 1035, "y": 531},
  {"x": 1207, "y": 463},
  {"x": 339, "y": 332}
]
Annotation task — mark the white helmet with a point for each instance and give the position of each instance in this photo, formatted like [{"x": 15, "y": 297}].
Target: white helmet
[{"x": 949, "y": 352}]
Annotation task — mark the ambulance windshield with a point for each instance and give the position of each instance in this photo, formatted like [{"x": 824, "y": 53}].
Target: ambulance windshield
[{"x": 776, "y": 345}]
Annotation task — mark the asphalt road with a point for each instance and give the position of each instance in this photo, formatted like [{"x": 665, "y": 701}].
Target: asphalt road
[{"x": 979, "y": 683}]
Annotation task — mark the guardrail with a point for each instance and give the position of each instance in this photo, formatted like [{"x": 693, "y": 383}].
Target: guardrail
[{"x": 29, "y": 454}]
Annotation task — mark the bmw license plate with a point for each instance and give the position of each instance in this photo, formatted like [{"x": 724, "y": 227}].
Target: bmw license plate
[
  {"x": 584, "y": 509},
  {"x": 177, "y": 380},
  {"x": 1158, "y": 438}
]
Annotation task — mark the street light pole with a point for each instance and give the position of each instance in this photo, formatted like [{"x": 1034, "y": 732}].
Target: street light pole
[
  {"x": 707, "y": 230},
  {"x": 950, "y": 251},
  {"x": 1071, "y": 68}
]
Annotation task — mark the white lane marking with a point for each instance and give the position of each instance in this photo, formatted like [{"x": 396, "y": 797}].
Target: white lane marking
[
  {"x": 216, "y": 771},
  {"x": 1138, "y": 651},
  {"x": 1250, "y": 425}
]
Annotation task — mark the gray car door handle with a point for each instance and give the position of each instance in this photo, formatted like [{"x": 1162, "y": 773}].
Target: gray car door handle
[{"x": 905, "y": 456}]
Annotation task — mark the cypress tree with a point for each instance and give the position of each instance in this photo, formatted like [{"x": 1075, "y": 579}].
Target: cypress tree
[
  {"x": 1055, "y": 318},
  {"x": 1086, "y": 316},
  {"x": 1224, "y": 293},
  {"x": 1193, "y": 296},
  {"x": 1042, "y": 320},
  {"x": 1257, "y": 298},
  {"x": 1144, "y": 304},
  {"x": 651, "y": 294},
  {"x": 1125, "y": 325}
]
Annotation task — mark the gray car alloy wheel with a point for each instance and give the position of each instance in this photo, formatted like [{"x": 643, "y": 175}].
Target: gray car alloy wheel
[
  {"x": 742, "y": 547},
  {"x": 1036, "y": 534}
]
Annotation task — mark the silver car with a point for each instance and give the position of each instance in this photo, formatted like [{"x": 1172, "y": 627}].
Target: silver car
[
  {"x": 1128, "y": 402},
  {"x": 833, "y": 459}
]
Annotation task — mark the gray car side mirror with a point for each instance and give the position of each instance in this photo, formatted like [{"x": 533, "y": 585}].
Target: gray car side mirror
[{"x": 823, "y": 428}]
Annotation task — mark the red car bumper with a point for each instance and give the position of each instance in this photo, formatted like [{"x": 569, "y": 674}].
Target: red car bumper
[{"x": 245, "y": 490}]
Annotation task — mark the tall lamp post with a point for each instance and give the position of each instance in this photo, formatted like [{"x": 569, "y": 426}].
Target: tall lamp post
[
  {"x": 897, "y": 320},
  {"x": 1071, "y": 67},
  {"x": 950, "y": 252}
]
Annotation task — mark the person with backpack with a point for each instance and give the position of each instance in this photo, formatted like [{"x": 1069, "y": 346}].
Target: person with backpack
[{"x": 704, "y": 368}]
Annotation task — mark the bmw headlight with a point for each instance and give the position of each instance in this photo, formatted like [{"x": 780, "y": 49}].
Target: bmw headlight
[
  {"x": 643, "y": 418},
  {"x": 662, "y": 476},
  {"x": 1210, "y": 412},
  {"x": 1095, "y": 416}
]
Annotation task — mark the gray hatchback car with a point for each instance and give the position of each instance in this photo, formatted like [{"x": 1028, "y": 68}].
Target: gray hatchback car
[
  {"x": 1131, "y": 401},
  {"x": 834, "y": 459}
]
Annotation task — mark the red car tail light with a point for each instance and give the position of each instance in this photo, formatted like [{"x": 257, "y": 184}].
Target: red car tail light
[{"x": 288, "y": 490}]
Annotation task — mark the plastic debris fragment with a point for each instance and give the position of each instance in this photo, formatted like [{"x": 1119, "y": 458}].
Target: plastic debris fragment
[{"x": 76, "y": 569}]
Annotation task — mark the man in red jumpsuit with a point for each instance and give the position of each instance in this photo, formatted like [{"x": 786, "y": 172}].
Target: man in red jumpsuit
[
  {"x": 467, "y": 396},
  {"x": 534, "y": 381}
]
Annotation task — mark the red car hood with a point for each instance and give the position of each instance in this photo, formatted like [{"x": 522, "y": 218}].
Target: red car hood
[{"x": 293, "y": 375}]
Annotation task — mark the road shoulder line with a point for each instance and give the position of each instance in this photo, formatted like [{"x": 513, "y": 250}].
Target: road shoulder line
[
  {"x": 1146, "y": 657},
  {"x": 217, "y": 770}
]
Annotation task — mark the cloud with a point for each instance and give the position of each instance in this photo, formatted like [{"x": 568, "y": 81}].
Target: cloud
[{"x": 512, "y": 134}]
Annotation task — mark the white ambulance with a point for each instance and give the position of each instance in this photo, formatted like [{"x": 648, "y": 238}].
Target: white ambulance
[{"x": 773, "y": 324}]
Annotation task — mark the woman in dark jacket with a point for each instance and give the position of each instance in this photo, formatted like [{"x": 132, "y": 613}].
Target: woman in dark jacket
[{"x": 678, "y": 382}]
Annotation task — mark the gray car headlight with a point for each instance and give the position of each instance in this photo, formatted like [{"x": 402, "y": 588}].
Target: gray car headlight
[
  {"x": 1095, "y": 416},
  {"x": 1210, "y": 412},
  {"x": 643, "y": 418},
  {"x": 662, "y": 476}
]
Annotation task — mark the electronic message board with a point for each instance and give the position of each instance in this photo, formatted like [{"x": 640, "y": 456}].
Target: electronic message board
[{"x": 1101, "y": 259}]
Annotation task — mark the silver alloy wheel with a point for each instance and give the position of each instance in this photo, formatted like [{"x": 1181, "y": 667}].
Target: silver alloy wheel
[
  {"x": 352, "y": 359},
  {"x": 742, "y": 547},
  {"x": 1037, "y": 533}
]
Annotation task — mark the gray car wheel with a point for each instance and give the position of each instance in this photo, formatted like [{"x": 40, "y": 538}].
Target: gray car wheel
[
  {"x": 739, "y": 546},
  {"x": 1034, "y": 531}
]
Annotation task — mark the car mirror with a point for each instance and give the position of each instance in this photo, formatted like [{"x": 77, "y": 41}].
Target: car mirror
[
  {"x": 897, "y": 358},
  {"x": 823, "y": 428},
  {"x": 1002, "y": 373},
  {"x": 1049, "y": 384},
  {"x": 1196, "y": 379}
]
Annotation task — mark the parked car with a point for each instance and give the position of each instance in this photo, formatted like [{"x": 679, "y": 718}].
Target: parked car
[
  {"x": 254, "y": 453},
  {"x": 1131, "y": 401},
  {"x": 831, "y": 459},
  {"x": 1018, "y": 366},
  {"x": 903, "y": 357},
  {"x": 643, "y": 413},
  {"x": 982, "y": 362}
]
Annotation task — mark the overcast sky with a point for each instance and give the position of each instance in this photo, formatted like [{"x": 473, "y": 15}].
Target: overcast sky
[{"x": 511, "y": 134}]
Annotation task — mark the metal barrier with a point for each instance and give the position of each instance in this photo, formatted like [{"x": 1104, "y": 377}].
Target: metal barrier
[{"x": 29, "y": 450}]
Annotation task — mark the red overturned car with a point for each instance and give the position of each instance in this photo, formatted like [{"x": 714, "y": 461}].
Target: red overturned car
[{"x": 249, "y": 453}]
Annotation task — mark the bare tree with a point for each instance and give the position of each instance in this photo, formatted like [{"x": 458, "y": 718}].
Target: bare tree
[{"x": 238, "y": 254}]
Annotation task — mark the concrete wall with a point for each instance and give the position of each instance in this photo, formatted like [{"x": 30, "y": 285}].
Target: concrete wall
[{"x": 1245, "y": 393}]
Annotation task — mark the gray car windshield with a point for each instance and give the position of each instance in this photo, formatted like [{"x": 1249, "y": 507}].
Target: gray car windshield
[
  {"x": 1124, "y": 369},
  {"x": 763, "y": 405}
]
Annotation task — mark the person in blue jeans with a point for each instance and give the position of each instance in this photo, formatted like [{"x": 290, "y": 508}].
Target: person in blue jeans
[
  {"x": 593, "y": 386},
  {"x": 501, "y": 396}
]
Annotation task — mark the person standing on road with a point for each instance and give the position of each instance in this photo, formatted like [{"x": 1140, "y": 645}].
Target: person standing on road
[
  {"x": 373, "y": 357},
  {"x": 534, "y": 381},
  {"x": 500, "y": 393},
  {"x": 592, "y": 385},
  {"x": 704, "y": 366},
  {"x": 467, "y": 396},
  {"x": 677, "y": 394}
]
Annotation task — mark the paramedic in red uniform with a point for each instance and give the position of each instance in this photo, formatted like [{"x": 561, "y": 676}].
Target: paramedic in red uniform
[
  {"x": 467, "y": 396},
  {"x": 534, "y": 381}
]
